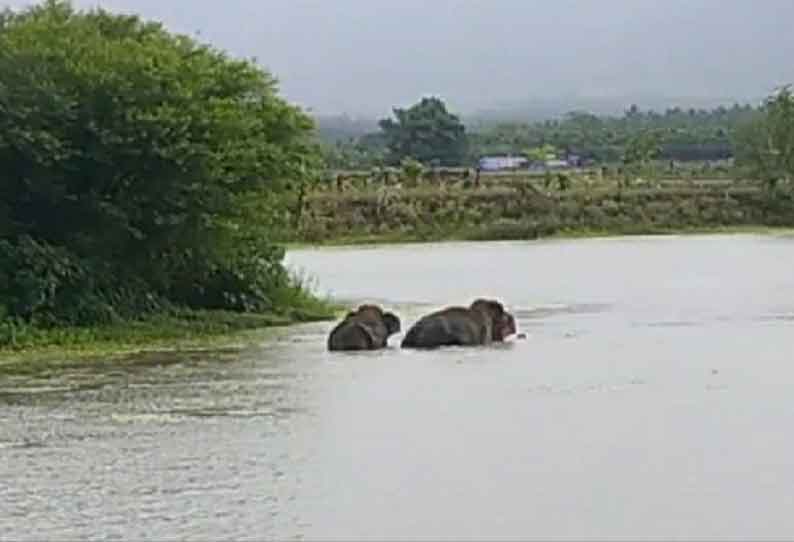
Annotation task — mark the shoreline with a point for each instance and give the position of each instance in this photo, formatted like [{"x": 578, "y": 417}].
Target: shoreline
[
  {"x": 44, "y": 350},
  {"x": 479, "y": 236}
]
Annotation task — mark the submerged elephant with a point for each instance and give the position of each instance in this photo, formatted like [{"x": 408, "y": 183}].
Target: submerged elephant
[
  {"x": 483, "y": 322},
  {"x": 366, "y": 328}
]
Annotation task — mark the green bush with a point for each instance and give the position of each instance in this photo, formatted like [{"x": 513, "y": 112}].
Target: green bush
[{"x": 130, "y": 158}]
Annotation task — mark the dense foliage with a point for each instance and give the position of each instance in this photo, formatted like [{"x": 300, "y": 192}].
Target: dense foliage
[
  {"x": 426, "y": 132},
  {"x": 678, "y": 134},
  {"x": 139, "y": 170},
  {"x": 364, "y": 152},
  {"x": 766, "y": 143}
]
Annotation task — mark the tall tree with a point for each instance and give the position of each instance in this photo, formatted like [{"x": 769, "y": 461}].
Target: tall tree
[
  {"x": 130, "y": 158},
  {"x": 765, "y": 145},
  {"x": 426, "y": 132}
]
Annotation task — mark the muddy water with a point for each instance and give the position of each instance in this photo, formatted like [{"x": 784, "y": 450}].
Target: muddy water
[{"x": 651, "y": 399}]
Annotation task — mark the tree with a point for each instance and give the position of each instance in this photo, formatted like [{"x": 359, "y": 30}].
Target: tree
[
  {"x": 641, "y": 150},
  {"x": 706, "y": 135},
  {"x": 139, "y": 169},
  {"x": 765, "y": 145},
  {"x": 365, "y": 152},
  {"x": 541, "y": 154},
  {"x": 426, "y": 132}
]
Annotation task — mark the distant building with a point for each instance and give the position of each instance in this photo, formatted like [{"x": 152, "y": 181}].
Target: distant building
[
  {"x": 498, "y": 163},
  {"x": 557, "y": 164}
]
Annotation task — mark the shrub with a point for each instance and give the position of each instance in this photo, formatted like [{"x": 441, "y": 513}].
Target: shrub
[{"x": 131, "y": 158}]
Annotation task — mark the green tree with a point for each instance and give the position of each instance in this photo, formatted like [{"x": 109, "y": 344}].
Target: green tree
[
  {"x": 541, "y": 154},
  {"x": 145, "y": 169},
  {"x": 702, "y": 135},
  {"x": 641, "y": 150},
  {"x": 427, "y": 132},
  {"x": 765, "y": 145}
]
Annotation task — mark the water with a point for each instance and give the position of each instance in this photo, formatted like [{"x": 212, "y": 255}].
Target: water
[{"x": 651, "y": 400}]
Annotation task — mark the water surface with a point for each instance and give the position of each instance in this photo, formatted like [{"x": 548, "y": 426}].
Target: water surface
[{"x": 651, "y": 399}]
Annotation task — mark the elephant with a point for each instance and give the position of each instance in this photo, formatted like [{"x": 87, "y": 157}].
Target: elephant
[
  {"x": 366, "y": 328},
  {"x": 483, "y": 322}
]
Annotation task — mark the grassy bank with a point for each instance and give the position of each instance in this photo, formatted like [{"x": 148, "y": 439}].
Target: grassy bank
[
  {"x": 27, "y": 348},
  {"x": 33, "y": 350},
  {"x": 516, "y": 211}
]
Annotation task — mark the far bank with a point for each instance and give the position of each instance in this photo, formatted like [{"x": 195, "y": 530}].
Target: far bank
[{"x": 517, "y": 212}]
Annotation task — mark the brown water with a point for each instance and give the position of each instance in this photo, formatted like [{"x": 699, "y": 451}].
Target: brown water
[{"x": 651, "y": 399}]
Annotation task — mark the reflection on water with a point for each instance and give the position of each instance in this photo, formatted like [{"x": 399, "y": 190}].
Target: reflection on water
[{"x": 650, "y": 400}]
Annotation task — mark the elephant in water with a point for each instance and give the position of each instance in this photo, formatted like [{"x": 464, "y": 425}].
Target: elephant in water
[
  {"x": 483, "y": 322},
  {"x": 366, "y": 328}
]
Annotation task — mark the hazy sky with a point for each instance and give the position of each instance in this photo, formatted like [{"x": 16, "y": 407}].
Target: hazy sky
[{"x": 363, "y": 56}]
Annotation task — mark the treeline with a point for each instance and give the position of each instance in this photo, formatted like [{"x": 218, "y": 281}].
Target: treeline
[
  {"x": 677, "y": 134},
  {"x": 139, "y": 171}
]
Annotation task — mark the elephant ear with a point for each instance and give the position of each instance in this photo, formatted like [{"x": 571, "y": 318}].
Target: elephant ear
[
  {"x": 369, "y": 335},
  {"x": 392, "y": 322},
  {"x": 501, "y": 322}
]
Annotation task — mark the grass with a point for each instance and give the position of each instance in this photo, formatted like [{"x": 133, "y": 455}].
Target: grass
[
  {"x": 27, "y": 349},
  {"x": 522, "y": 210},
  {"x": 34, "y": 348}
]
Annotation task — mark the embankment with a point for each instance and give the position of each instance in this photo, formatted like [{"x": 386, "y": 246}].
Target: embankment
[{"x": 524, "y": 212}]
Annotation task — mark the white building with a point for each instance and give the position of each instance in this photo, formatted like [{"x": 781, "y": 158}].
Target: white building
[{"x": 496, "y": 163}]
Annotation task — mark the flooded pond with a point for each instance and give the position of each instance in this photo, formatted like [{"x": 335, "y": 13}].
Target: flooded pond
[{"x": 650, "y": 400}]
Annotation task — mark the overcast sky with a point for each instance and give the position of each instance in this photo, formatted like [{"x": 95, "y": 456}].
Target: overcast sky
[{"x": 363, "y": 56}]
